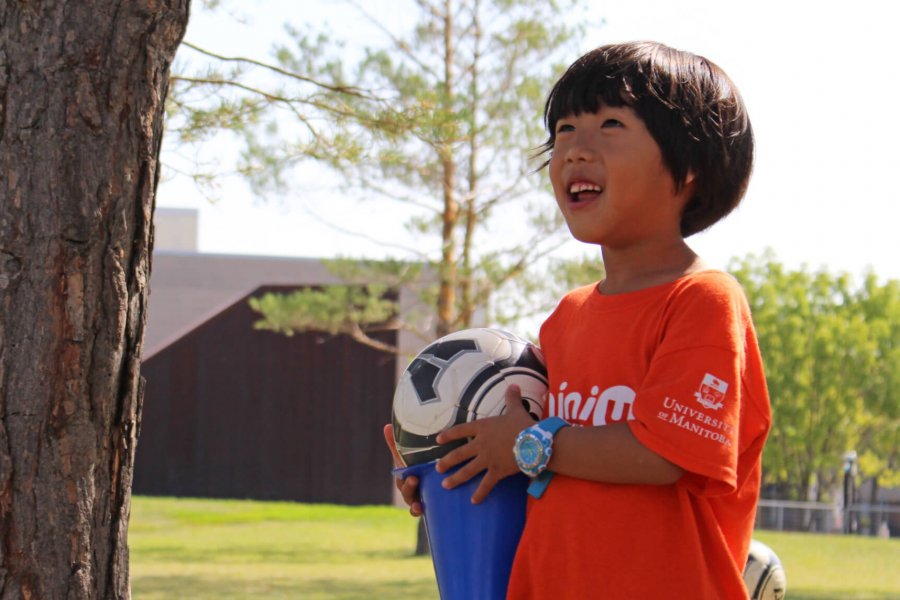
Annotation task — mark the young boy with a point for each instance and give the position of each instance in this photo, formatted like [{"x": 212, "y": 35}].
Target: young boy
[{"x": 658, "y": 410}]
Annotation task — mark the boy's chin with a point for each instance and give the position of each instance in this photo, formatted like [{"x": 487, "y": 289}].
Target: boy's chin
[{"x": 585, "y": 238}]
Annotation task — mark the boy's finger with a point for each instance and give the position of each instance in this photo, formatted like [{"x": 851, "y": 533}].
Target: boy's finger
[
  {"x": 392, "y": 445},
  {"x": 484, "y": 488},
  {"x": 458, "y": 432},
  {"x": 465, "y": 473},
  {"x": 409, "y": 482},
  {"x": 410, "y": 490},
  {"x": 513, "y": 397},
  {"x": 453, "y": 458}
]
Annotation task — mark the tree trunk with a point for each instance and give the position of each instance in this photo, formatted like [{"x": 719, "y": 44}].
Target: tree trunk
[
  {"x": 446, "y": 301},
  {"x": 422, "y": 545},
  {"x": 82, "y": 88}
]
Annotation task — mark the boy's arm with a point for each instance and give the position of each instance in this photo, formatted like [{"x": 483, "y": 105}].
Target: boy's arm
[{"x": 609, "y": 454}]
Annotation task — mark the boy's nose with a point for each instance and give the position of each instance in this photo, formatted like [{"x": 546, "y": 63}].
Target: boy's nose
[{"x": 580, "y": 152}]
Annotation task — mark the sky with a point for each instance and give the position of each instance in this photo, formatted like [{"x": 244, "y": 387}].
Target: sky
[{"x": 820, "y": 79}]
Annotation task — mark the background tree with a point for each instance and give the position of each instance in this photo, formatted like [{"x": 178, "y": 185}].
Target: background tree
[
  {"x": 831, "y": 358},
  {"x": 81, "y": 108},
  {"x": 442, "y": 119},
  {"x": 878, "y": 445}
]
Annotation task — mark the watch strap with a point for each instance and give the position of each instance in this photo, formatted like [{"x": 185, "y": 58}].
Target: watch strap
[
  {"x": 552, "y": 424},
  {"x": 539, "y": 484}
]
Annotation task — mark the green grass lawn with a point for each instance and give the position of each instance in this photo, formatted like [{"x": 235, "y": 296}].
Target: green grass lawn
[
  {"x": 204, "y": 549},
  {"x": 837, "y": 567}
]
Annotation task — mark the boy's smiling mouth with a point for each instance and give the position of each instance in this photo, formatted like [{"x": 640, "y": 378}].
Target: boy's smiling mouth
[{"x": 583, "y": 191}]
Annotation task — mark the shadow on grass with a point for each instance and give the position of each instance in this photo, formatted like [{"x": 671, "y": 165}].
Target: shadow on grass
[{"x": 200, "y": 588}]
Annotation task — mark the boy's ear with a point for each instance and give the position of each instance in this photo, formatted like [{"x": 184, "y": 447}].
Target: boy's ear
[{"x": 687, "y": 186}]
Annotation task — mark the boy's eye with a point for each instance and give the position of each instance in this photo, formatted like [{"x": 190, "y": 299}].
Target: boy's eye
[
  {"x": 612, "y": 123},
  {"x": 564, "y": 127}
]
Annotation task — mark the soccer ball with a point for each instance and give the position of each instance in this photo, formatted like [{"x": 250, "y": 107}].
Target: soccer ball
[
  {"x": 459, "y": 378},
  {"x": 764, "y": 576}
]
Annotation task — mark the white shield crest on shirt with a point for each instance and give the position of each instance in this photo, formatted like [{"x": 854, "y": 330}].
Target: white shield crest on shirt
[{"x": 712, "y": 392}]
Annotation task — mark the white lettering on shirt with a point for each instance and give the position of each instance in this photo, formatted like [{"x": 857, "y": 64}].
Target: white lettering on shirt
[
  {"x": 696, "y": 422},
  {"x": 612, "y": 405}
]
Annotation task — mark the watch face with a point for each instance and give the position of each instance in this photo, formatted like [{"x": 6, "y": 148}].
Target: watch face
[{"x": 531, "y": 452}]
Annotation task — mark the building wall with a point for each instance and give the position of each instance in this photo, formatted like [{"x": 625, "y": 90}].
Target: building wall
[{"x": 232, "y": 412}]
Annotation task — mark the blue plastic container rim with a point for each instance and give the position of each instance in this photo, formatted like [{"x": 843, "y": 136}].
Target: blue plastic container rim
[{"x": 416, "y": 470}]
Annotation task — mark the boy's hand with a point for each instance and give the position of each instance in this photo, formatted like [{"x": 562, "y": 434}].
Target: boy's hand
[
  {"x": 490, "y": 449},
  {"x": 409, "y": 487}
]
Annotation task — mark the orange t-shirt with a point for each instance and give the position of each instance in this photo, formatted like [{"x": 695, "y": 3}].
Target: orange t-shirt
[{"x": 680, "y": 363}]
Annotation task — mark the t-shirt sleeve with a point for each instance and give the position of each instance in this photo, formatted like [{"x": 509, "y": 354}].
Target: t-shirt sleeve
[{"x": 688, "y": 408}]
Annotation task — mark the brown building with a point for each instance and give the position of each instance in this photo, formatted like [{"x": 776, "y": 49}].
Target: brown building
[{"x": 235, "y": 412}]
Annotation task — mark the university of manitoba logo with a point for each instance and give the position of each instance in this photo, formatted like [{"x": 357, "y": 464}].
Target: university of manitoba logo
[{"x": 712, "y": 392}]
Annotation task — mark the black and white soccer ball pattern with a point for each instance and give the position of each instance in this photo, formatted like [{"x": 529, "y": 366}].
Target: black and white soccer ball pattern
[
  {"x": 764, "y": 574},
  {"x": 459, "y": 378}
]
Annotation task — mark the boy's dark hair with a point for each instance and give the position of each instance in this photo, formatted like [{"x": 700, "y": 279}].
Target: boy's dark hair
[{"x": 690, "y": 107}]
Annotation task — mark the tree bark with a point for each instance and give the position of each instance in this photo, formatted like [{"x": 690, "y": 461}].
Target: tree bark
[{"x": 82, "y": 89}]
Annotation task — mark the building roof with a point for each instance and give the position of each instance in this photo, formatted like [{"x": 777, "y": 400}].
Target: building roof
[{"x": 188, "y": 288}]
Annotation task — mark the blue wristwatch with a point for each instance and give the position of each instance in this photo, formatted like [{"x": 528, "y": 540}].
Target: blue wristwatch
[{"x": 533, "y": 449}]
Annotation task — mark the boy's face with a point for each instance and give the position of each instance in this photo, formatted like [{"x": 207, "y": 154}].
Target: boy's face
[{"x": 610, "y": 181}]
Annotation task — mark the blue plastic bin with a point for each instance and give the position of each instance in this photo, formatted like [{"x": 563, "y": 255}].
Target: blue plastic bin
[{"x": 472, "y": 545}]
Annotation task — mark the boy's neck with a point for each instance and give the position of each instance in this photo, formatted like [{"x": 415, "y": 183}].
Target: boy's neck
[{"x": 638, "y": 268}]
